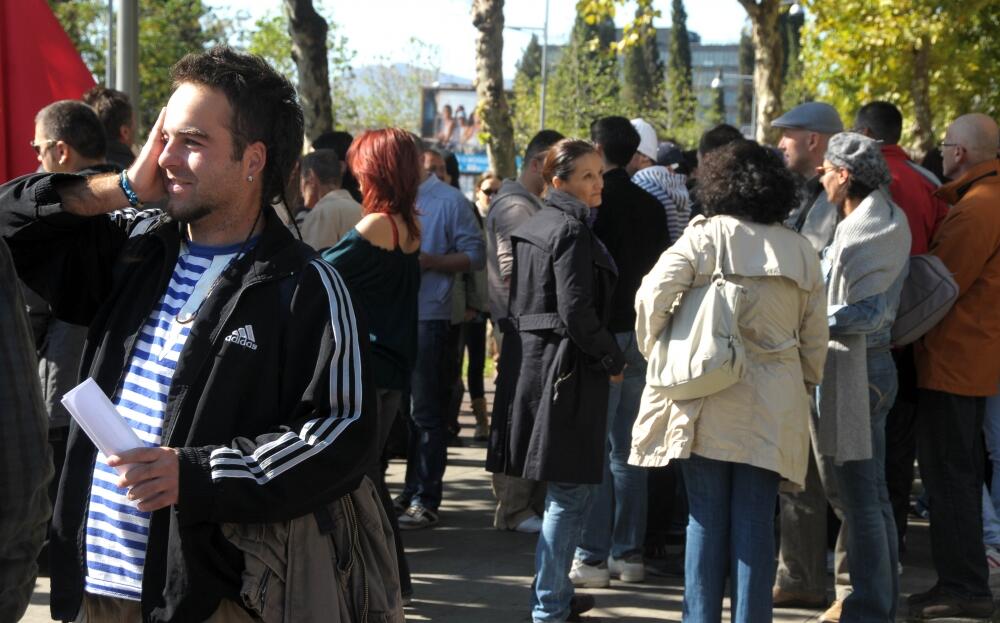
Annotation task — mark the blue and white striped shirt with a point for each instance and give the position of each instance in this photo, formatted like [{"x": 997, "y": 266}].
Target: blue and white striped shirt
[
  {"x": 670, "y": 189},
  {"x": 117, "y": 531}
]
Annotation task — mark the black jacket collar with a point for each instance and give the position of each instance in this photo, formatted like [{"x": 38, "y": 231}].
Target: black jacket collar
[
  {"x": 276, "y": 254},
  {"x": 567, "y": 203}
]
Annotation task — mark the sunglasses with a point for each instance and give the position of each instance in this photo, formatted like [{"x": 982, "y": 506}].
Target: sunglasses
[
  {"x": 40, "y": 146},
  {"x": 489, "y": 192}
]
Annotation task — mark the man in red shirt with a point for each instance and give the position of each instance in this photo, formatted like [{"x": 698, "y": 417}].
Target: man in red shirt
[
  {"x": 912, "y": 189},
  {"x": 912, "y": 186}
]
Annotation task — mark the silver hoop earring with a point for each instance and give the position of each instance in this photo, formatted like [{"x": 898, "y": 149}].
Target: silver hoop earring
[{"x": 249, "y": 178}]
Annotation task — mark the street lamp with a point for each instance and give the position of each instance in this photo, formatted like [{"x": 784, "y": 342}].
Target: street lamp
[
  {"x": 720, "y": 79},
  {"x": 545, "y": 63}
]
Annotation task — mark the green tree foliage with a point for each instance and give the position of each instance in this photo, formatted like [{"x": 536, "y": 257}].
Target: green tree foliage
[
  {"x": 527, "y": 94},
  {"x": 388, "y": 93},
  {"x": 746, "y": 86},
  {"x": 530, "y": 65},
  {"x": 794, "y": 90},
  {"x": 643, "y": 71},
  {"x": 585, "y": 84},
  {"x": 564, "y": 93},
  {"x": 679, "y": 88},
  {"x": 168, "y": 29},
  {"x": 85, "y": 21},
  {"x": 269, "y": 38},
  {"x": 384, "y": 94},
  {"x": 935, "y": 59}
]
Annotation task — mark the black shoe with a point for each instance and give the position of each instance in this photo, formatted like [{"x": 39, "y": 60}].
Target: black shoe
[
  {"x": 666, "y": 567},
  {"x": 920, "y": 598},
  {"x": 578, "y": 604},
  {"x": 945, "y": 605},
  {"x": 399, "y": 504}
]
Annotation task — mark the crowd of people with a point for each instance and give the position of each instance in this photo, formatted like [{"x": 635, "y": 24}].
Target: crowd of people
[{"x": 275, "y": 327}]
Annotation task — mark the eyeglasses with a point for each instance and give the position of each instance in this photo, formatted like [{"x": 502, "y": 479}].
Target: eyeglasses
[
  {"x": 942, "y": 145},
  {"x": 823, "y": 170},
  {"x": 40, "y": 146}
]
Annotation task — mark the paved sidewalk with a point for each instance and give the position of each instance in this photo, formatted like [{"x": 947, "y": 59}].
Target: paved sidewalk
[{"x": 464, "y": 571}]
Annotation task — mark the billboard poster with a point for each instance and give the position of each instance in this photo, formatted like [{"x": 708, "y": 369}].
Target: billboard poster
[{"x": 449, "y": 120}]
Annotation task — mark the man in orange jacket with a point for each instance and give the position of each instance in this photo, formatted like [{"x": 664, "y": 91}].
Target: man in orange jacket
[{"x": 958, "y": 366}]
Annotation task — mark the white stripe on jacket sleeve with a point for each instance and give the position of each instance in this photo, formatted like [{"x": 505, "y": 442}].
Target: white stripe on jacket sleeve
[{"x": 275, "y": 457}]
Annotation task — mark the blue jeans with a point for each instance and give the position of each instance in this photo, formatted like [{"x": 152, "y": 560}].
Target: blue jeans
[
  {"x": 730, "y": 534},
  {"x": 991, "y": 427},
  {"x": 616, "y": 521},
  {"x": 872, "y": 545},
  {"x": 991, "y": 499},
  {"x": 991, "y": 523},
  {"x": 565, "y": 508},
  {"x": 428, "y": 451}
]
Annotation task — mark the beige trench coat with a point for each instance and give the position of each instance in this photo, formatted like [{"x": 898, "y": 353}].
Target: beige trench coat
[{"x": 762, "y": 420}]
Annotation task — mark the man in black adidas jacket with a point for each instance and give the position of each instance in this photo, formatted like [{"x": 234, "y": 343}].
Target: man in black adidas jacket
[{"x": 249, "y": 434}]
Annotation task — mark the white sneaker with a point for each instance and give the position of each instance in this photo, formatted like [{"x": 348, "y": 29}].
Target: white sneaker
[
  {"x": 583, "y": 575},
  {"x": 630, "y": 569},
  {"x": 531, "y": 525}
]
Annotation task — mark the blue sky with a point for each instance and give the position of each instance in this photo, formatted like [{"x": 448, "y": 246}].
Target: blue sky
[{"x": 382, "y": 28}]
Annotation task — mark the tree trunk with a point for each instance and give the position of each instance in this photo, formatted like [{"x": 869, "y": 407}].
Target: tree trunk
[
  {"x": 493, "y": 110},
  {"x": 768, "y": 59},
  {"x": 920, "y": 91},
  {"x": 308, "y": 31}
]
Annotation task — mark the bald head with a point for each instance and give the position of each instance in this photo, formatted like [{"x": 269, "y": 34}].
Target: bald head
[{"x": 971, "y": 140}]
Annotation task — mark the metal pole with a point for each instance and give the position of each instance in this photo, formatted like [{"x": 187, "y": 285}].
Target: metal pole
[
  {"x": 545, "y": 65},
  {"x": 109, "y": 63},
  {"x": 127, "y": 69}
]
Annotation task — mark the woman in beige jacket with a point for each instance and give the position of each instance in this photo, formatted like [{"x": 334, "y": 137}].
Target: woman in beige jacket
[{"x": 739, "y": 443}]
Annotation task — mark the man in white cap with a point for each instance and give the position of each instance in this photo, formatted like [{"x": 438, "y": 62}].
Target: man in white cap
[
  {"x": 800, "y": 581},
  {"x": 668, "y": 187},
  {"x": 805, "y": 132}
]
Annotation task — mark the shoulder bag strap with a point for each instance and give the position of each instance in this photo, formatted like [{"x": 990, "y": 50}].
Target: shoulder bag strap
[{"x": 717, "y": 272}]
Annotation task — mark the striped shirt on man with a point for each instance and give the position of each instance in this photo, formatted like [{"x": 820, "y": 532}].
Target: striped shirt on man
[{"x": 117, "y": 531}]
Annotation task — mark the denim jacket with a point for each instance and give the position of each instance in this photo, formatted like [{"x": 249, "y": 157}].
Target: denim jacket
[{"x": 872, "y": 316}]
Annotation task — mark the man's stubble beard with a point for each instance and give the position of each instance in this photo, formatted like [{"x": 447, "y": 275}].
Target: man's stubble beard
[{"x": 187, "y": 214}]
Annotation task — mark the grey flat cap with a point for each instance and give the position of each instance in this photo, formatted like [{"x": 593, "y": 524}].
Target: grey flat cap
[
  {"x": 860, "y": 155},
  {"x": 812, "y": 116}
]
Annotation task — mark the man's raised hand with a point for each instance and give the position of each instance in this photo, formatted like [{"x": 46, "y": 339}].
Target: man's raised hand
[{"x": 145, "y": 175}]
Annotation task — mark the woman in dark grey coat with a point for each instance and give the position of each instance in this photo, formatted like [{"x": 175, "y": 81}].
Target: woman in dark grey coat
[{"x": 549, "y": 420}]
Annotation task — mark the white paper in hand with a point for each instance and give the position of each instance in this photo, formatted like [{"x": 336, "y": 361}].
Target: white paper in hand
[{"x": 100, "y": 420}]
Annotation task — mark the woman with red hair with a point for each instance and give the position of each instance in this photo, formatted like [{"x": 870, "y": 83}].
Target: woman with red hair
[{"x": 379, "y": 260}]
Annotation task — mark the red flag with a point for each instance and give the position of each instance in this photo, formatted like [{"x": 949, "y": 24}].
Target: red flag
[{"x": 38, "y": 65}]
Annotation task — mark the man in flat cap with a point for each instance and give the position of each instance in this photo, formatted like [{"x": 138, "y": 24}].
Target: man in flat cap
[
  {"x": 805, "y": 132},
  {"x": 801, "y": 577}
]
